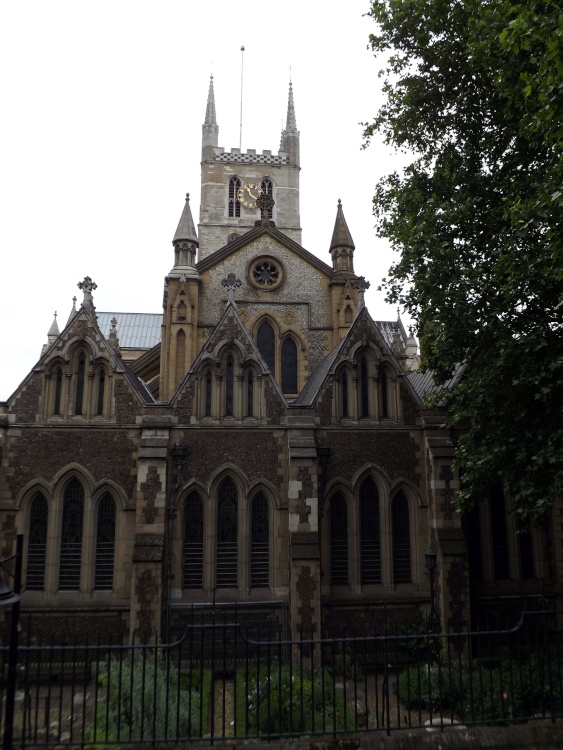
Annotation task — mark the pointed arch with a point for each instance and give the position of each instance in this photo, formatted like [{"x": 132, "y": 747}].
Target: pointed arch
[
  {"x": 260, "y": 542},
  {"x": 267, "y": 187},
  {"x": 401, "y": 538},
  {"x": 266, "y": 343},
  {"x": 193, "y": 542},
  {"x": 233, "y": 205},
  {"x": 105, "y": 544},
  {"x": 70, "y": 558},
  {"x": 227, "y": 535},
  {"x": 338, "y": 511},
  {"x": 370, "y": 532},
  {"x": 37, "y": 543},
  {"x": 289, "y": 368}
]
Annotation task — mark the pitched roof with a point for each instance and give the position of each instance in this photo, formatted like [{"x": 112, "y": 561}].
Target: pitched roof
[
  {"x": 341, "y": 236},
  {"x": 186, "y": 227},
  {"x": 135, "y": 330},
  {"x": 423, "y": 381}
]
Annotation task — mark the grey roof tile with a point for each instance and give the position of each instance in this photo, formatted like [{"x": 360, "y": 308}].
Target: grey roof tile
[{"x": 134, "y": 330}]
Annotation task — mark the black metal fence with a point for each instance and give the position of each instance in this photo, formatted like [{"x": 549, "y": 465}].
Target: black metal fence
[{"x": 220, "y": 682}]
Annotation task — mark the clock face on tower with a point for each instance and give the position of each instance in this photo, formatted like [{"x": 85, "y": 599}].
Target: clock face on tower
[{"x": 248, "y": 193}]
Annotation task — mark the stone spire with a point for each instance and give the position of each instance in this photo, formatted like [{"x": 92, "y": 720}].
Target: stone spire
[
  {"x": 210, "y": 129},
  {"x": 52, "y": 334},
  {"x": 290, "y": 121},
  {"x": 290, "y": 135},
  {"x": 185, "y": 243},
  {"x": 342, "y": 245}
]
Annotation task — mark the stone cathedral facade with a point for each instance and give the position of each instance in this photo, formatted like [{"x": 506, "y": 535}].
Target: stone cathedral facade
[{"x": 261, "y": 441}]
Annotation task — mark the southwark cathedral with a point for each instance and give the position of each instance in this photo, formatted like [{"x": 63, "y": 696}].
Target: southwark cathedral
[{"x": 259, "y": 442}]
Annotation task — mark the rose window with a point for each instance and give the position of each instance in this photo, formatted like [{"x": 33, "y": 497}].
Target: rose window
[{"x": 266, "y": 273}]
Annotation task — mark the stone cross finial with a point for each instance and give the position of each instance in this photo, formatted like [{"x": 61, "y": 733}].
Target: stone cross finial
[
  {"x": 231, "y": 283},
  {"x": 88, "y": 286},
  {"x": 265, "y": 203},
  {"x": 361, "y": 285}
]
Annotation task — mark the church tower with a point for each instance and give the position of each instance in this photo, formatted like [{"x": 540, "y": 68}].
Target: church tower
[
  {"x": 180, "y": 304},
  {"x": 231, "y": 181}
]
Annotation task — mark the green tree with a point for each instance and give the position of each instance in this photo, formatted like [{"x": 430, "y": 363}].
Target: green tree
[{"x": 474, "y": 90}]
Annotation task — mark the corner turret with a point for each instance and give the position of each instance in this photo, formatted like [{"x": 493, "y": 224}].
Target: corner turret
[
  {"x": 342, "y": 245},
  {"x": 185, "y": 244}
]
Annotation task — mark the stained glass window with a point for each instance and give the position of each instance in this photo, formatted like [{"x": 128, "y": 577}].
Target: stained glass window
[
  {"x": 58, "y": 391},
  {"x": 266, "y": 342},
  {"x": 208, "y": 393},
  {"x": 101, "y": 392},
  {"x": 344, "y": 380},
  {"x": 227, "y": 523},
  {"x": 370, "y": 542},
  {"x": 71, "y": 536},
  {"x": 338, "y": 541},
  {"x": 250, "y": 394},
  {"x": 37, "y": 546},
  {"x": 105, "y": 544},
  {"x": 401, "y": 539},
  {"x": 80, "y": 383},
  {"x": 260, "y": 543},
  {"x": 289, "y": 366},
  {"x": 364, "y": 386},
  {"x": 384, "y": 394},
  {"x": 229, "y": 387},
  {"x": 193, "y": 543}
]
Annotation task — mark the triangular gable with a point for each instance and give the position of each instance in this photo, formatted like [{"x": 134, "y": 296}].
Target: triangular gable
[
  {"x": 230, "y": 327},
  {"x": 246, "y": 239},
  {"x": 363, "y": 330},
  {"x": 83, "y": 325}
]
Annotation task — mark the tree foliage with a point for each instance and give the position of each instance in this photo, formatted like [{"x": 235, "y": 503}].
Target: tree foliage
[{"x": 474, "y": 89}]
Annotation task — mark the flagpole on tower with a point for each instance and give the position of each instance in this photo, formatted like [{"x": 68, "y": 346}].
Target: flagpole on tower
[{"x": 241, "y": 79}]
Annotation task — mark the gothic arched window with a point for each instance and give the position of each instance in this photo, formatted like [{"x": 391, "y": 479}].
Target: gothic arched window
[
  {"x": 260, "y": 543},
  {"x": 289, "y": 366},
  {"x": 193, "y": 543},
  {"x": 370, "y": 542},
  {"x": 208, "y": 382},
  {"x": 338, "y": 541},
  {"x": 234, "y": 205},
  {"x": 344, "y": 382},
  {"x": 229, "y": 386},
  {"x": 58, "y": 392},
  {"x": 383, "y": 385},
  {"x": 105, "y": 544},
  {"x": 80, "y": 383},
  {"x": 364, "y": 385},
  {"x": 401, "y": 539},
  {"x": 71, "y": 536},
  {"x": 266, "y": 342},
  {"x": 227, "y": 530},
  {"x": 268, "y": 188},
  {"x": 101, "y": 392},
  {"x": 37, "y": 546},
  {"x": 250, "y": 394}
]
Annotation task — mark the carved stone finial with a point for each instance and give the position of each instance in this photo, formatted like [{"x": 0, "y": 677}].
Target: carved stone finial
[
  {"x": 113, "y": 339},
  {"x": 231, "y": 283},
  {"x": 265, "y": 203},
  {"x": 361, "y": 285},
  {"x": 87, "y": 286}
]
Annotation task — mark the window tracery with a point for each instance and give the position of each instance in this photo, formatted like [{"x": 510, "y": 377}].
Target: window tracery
[
  {"x": 260, "y": 543},
  {"x": 227, "y": 535},
  {"x": 234, "y": 203},
  {"x": 193, "y": 542},
  {"x": 105, "y": 544},
  {"x": 71, "y": 536},
  {"x": 37, "y": 544}
]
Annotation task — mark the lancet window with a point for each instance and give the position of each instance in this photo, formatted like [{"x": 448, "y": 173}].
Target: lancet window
[{"x": 227, "y": 535}]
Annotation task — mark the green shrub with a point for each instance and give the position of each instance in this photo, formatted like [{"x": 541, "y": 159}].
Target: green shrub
[
  {"x": 145, "y": 699},
  {"x": 423, "y": 687},
  {"x": 287, "y": 700}
]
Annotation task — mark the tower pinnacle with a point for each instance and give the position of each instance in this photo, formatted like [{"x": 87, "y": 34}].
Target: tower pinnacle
[
  {"x": 185, "y": 243},
  {"x": 290, "y": 122},
  {"x": 342, "y": 245},
  {"x": 210, "y": 129}
]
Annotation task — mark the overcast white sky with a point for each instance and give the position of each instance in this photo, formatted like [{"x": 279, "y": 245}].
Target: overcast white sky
[{"x": 100, "y": 139}]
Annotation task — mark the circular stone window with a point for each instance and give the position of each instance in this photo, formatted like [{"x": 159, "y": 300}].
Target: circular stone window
[{"x": 266, "y": 273}]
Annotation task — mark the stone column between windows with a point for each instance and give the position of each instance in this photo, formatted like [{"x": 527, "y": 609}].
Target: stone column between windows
[
  {"x": 304, "y": 552},
  {"x": 148, "y": 585}
]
